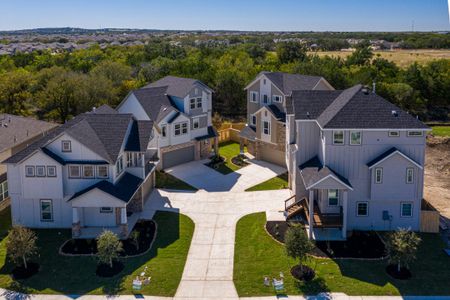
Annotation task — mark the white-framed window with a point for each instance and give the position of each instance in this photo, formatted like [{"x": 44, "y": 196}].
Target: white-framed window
[
  {"x": 66, "y": 146},
  {"x": 199, "y": 102},
  {"x": 355, "y": 137},
  {"x": 46, "y": 210},
  {"x": 51, "y": 171},
  {"x": 88, "y": 171},
  {"x": 409, "y": 175},
  {"x": 74, "y": 171},
  {"x": 192, "y": 103},
  {"x": 3, "y": 190},
  {"x": 119, "y": 165},
  {"x": 253, "y": 96},
  {"x": 106, "y": 210},
  {"x": 180, "y": 129},
  {"x": 164, "y": 131},
  {"x": 196, "y": 123},
  {"x": 406, "y": 209},
  {"x": 378, "y": 175},
  {"x": 338, "y": 137},
  {"x": 333, "y": 197},
  {"x": 40, "y": 171},
  {"x": 362, "y": 209},
  {"x": 415, "y": 133},
  {"x": 102, "y": 172},
  {"x": 264, "y": 81},
  {"x": 265, "y": 99},
  {"x": 277, "y": 98},
  {"x": 394, "y": 133},
  {"x": 29, "y": 171},
  {"x": 253, "y": 119},
  {"x": 266, "y": 127}
]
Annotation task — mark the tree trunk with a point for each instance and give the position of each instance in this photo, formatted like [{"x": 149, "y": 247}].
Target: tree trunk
[
  {"x": 111, "y": 263},
  {"x": 24, "y": 262},
  {"x": 398, "y": 267}
]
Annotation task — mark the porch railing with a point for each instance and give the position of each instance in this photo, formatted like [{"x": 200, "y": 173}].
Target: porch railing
[{"x": 323, "y": 220}]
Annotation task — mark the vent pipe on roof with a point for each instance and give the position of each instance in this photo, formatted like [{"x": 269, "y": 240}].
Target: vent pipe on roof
[
  {"x": 365, "y": 90},
  {"x": 394, "y": 113},
  {"x": 374, "y": 87}
]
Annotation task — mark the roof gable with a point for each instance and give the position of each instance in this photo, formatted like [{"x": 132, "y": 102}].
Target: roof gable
[
  {"x": 287, "y": 83},
  {"x": 387, "y": 155},
  {"x": 177, "y": 86}
]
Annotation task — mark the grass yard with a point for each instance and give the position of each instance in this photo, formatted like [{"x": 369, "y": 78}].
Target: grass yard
[
  {"x": 228, "y": 150},
  {"x": 258, "y": 255},
  {"x": 441, "y": 130},
  {"x": 167, "y": 181},
  {"x": 276, "y": 183},
  {"x": 76, "y": 275}
]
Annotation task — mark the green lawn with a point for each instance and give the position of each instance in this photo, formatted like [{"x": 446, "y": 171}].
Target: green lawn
[
  {"x": 276, "y": 183},
  {"x": 257, "y": 255},
  {"x": 228, "y": 150},
  {"x": 441, "y": 130},
  {"x": 76, "y": 275},
  {"x": 167, "y": 181}
]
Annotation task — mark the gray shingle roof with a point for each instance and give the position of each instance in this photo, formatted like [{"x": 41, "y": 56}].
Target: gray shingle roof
[
  {"x": 105, "y": 109},
  {"x": 155, "y": 102},
  {"x": 211, "y": 134},
  {"x": 176, "y": 86},
  {"x": 313, "y": 170},
  {"x": 139, "y": 137},
  {"x": 248, "y": 132},
  {"x": 277, "y": 113},
  {"x": 290, "y": 82}
]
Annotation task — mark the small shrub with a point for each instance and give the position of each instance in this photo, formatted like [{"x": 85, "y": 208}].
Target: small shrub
[
  {"x": 297, "y": 244},
  {"x": 109, "y": 246},
  {"x": 21, "y": 245},
  {"x": 134, "y": 238},
  {"x": 402, "y": 247}
]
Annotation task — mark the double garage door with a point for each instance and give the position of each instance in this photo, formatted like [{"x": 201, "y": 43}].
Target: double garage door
[
  {"x": 178, "y": 157},
  {"x": 273, "y": 156}
]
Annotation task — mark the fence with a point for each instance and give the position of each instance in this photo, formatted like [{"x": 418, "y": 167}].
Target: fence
[
  {"x": 230, "y": 132},
  {"x": 429, "y": 218}
]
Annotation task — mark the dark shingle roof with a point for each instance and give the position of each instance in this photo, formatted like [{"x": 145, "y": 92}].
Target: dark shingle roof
[
  {"x": 176, "y": 86},
  {"x": 277, "y": 113},
  {"x": 289, "y": 82},
  {"x": 105, "y": 109},
  {"x": 313, "y": 170},
  {"x": 155, "y": 102},
  {"x": 309, "y": 104},
  {"x": 174, "y": 117},
  {"x": 211, "y": 134},
  {"x": 248, "y": 132},
  {"x": 123, "y": 190},
  {"x": 63, "y": 161},
  {"x": 386, "y": 154},
  {"x": 139, "y": 137}
]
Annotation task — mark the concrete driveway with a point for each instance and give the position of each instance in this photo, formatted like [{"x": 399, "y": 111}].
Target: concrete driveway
[{"x": 205, "y": 178}]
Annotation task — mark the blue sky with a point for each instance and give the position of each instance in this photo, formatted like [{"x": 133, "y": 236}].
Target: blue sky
[{"x": 276, "y": 15}]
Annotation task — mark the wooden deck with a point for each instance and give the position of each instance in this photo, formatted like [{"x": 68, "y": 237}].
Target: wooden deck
[{"x": 321, "y": 220}]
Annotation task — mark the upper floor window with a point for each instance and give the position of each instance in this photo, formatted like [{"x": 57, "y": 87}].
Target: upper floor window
[
  {"x": 338, "y": 137},
  {"x": 415, "y": 133},
  {"x": 266, "y": 127},
  {"x": 253, "y": 96},
  {"x": 406, "y": 209},
  {"x": 51, "y": 171},
  {"x": 265, "y": 99},
  {"x": 199, "y": 102},
  {"x": 362, "y": 209},
  {"x": 102, "y": 172},
  {"x": 409, "y": 175},
  {"x": 192, "y": 103},
  {"x": 88, "y": 171},
  {"x": 277, "y": 98},
  {"x": 264, "y": 82},
  {"x": 106, "y": 210},
  {"x": 74, "y": 172},
  {"x": 119, "y": 165},
  {"x": 394, "y": 133},
  {"x": 333, "y": 197},
  {"x": 196, "y": 123},
  {"x": 163, "y": 131},
  {"x": 355, "y": 138},
  {"x": 66, "y": 146},
  {"x": 378, "y": 175},
  {"x": 40, "y": 171},
  {"x": 3, "y": 190},
  {"x": 29, "y": 171},
  {"x": 46, "y": 210},
  {"x": 180, "y": 129},
  {"x": 253, "y": 119}
]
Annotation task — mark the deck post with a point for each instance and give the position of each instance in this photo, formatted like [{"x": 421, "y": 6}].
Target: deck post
[
  {"x": 311, "y": 212},
  {"x": 76, "y": 228},
  {"x": 344, "y": 214}
]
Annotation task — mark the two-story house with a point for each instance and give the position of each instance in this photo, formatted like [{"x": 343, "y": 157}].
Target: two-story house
[
  {"x": 180, "y": 109},
  {"x": 88, "y": 174},
  {"x": 265, "y": 133},
  {"x": 355, "y": 161}
]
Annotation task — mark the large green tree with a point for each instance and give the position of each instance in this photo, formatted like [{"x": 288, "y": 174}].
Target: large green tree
[{"x": 15, "y": 92}]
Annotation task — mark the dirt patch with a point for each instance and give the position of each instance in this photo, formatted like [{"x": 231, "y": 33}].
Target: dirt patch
[
  {"x": 303, "y": 273},
  {"x": 437, "y": 174}
]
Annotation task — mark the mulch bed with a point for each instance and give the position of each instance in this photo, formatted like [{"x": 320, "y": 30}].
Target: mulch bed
[
  {"x": 304, "y": 273},
  {"x": 22, "y": 273},
  {"x": 362, "y": 244},
  {"x": 277, "y": 229},
  {"x": 104, "y": 270},
  {"x": 239, "y": 161},
  {"x": 146, "y": 229},
  {"x": 404, "y": 273},
  {"x": 215, "y": 162}
]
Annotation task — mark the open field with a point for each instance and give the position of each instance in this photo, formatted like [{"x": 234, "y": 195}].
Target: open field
[{"x": 403, "y": 58}]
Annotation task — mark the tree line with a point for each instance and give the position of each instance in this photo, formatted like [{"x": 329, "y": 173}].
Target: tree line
[{"x": 58, "y": 86}]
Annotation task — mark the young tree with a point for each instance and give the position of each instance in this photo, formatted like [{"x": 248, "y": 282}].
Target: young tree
[
  {"x": 288, "y": 52},
  {"x": 402, "y": 247},
  {"x": 297, "y": 244},
  {"x": 109, "y": 246},
  {"x": 21, "y": 245},
  {"x": 217, "y": 121},
  {"x": 134, "y": 237}
]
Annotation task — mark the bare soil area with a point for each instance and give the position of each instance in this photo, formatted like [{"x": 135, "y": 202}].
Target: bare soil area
[{"x": 437, "y": 174}]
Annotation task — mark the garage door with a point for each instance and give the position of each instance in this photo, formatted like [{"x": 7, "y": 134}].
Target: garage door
[
  {"x": 178, "y": 157},
  {"x": 273, "y": 156}
]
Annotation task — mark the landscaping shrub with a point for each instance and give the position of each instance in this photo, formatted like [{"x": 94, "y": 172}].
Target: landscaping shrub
[{"x": 21, "y": 246}]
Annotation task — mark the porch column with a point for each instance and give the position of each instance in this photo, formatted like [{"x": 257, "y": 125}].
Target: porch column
[
  {"x": 76, "y": 227},
  {"x": 123, "y": 222},
  {"x": 344, "y": 214},
  {"x": 311, "y": 212}
]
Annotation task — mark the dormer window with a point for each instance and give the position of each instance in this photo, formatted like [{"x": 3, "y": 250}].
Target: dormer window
[
  {"x": 66, "y": 146},
  {"x": 199, "y": 102}
]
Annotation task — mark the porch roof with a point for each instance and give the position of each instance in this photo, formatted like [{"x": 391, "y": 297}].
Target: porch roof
[
  {"x": 248, "y": 132},
  {"x": 212, "y": 133},
  {"x": 123, "y": 190},
  {"x": 313, "y": 172}
]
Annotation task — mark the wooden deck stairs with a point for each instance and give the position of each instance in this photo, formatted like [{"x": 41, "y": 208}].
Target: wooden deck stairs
[{"x": 293, "y": 207}]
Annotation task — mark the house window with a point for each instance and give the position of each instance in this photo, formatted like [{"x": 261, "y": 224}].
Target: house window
[
  {"x": 102, "y": 171},
  {"x": 164, "y": 131},
  {"x": 333, "y": 197},
  {"x": 409, "y": 175},
  {"x": 184, "y": 129},
  {"x": 276, "y": 98},
  {"x": 265, "y": 99},
  {"x": 199, "y": 102},
  {"x": 406, "y": 209},
  {"x": 51, "y": 171},
  {"x": 355, "y": 138},
  {"x": 180, "y": 128},
  {"x": 253, "y": 119},
  {"x": 394, "y": 133},
  {"x": 129, "y": 159},
  {"x": 106, "y": 210},
  {"x": 415, "y": 133},
  {"x": 264, "y": 82},
  {"x": 362, "y": 209},
  {"x": 88, "y": 171},
  {"x": 254, "y": 96},
  {"x": 66, "y": 146},
  {"x": 29, "y": 171},
  {"x": 192, "y": 103},
  {"x": 46, "y": 210},
  {"x": 338, "y": 137},
  {"x": 119, "y": 165},
  {"x": 266, "y": 127},
  {"x": 40, "y": 171},
  {"x": 196, "y": 123},
  {"x": 74, "y": 172},
  {"x": 3, "y": 190},
  {"x": 378, "y": 175}
]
